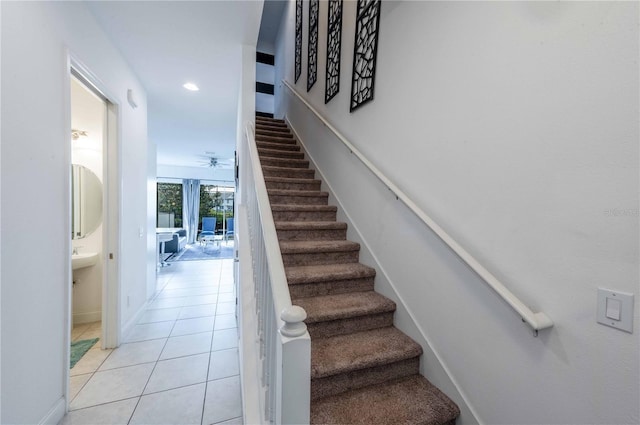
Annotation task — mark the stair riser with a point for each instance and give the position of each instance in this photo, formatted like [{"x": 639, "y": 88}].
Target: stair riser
[
  {"x": 274, "y": 139},
  {"x": 297, "y": 185},
  {"x": 316, "y": 289},
  {"x": 304, "y": 215},
  {"x": 298, "y": 200},
  {"x": 316, "y": 234},
  {"x": 295, "y": 173},
  {"x": 271, "y": 127},
  {"x": 317, "y": 258},
  {"x": 350, "y": 325},
  {"x": 272, "y": 153},
  {"x": 284, "y": 162},
  {"x": 279, "y": 134},
  {"x": 288, "y": 147},
  {"x": 337, "y": 384},
  {"x": 270, "y": 121}
]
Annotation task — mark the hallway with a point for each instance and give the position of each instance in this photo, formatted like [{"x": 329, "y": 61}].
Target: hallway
[{"x": 178, "y": 365}]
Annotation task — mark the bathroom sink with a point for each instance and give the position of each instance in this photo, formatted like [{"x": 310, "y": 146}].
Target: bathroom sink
[{"x": 85, "y": 259}]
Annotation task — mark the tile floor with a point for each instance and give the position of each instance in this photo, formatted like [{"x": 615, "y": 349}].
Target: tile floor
[{"x": 179, "y": 365}]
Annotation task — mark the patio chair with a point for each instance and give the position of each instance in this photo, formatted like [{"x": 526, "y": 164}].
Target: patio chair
[
  {"x": 208, "y": 227},
  {"x": 229, "y": 231}
]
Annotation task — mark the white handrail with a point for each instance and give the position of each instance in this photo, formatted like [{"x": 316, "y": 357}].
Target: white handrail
[{"x": 537, "y": 321}]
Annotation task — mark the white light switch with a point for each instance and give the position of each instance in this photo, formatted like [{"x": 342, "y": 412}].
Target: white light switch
[{"x": 615, "y": 309}]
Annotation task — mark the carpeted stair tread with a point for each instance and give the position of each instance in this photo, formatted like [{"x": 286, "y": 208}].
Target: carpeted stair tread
[
  {"x": 278, "y": 146},
  {"x": 279, "y": 134},
  {"x": 292, "y": 183},
  {"x": 275, "y": 139},
  {"x": 284, "y": 162},
  {"x": 286, "y": 196},
  {"x": 310, "y": 225},
  {"x": 360, "y": 350},
  {"x": 303, "y": 208},
  {"x": 271, "y": 127},
  {"x": 273, "y": 171},
  {"x": 324, "y": 273},
  {"x": 275, "y": 153},
  {"x": 270, "y": 120},
  {"x": 301, "y": 247},
  {"x": 300, "y": 212},
  {"x": 297, "y": 192},
  {"x": 343, "y": 306},
  {"x": 411, "y": 401}
]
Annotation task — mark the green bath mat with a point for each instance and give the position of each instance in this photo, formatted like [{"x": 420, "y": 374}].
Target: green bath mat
[{"x": 79, "y": 349}]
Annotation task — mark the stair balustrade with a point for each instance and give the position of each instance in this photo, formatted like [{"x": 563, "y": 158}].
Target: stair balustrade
[{"x": 284, "y": 343}]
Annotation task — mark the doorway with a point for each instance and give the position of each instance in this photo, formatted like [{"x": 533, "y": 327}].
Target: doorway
[{"x": 94, "y": 212}]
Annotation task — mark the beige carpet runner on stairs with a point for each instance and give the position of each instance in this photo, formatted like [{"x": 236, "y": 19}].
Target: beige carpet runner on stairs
[{"x": 363, "y": 369}]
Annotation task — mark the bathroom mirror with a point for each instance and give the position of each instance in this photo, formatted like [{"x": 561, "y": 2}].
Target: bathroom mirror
[{"x": 86, "y": 207}]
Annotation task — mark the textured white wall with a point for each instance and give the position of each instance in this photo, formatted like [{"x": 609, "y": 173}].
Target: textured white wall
[
  {"x": 514, "y": 125},
  {"x": 36, "y": 270}
]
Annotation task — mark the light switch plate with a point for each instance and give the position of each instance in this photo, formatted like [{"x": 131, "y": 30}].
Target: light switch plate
[{"x": 626, "y": 309}]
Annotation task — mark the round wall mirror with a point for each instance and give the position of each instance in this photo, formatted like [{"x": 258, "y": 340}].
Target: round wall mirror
[{"x": 86, "y": 208}]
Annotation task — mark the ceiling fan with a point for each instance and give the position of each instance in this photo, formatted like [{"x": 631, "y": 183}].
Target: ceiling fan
[{"x": 211, "y": 161}]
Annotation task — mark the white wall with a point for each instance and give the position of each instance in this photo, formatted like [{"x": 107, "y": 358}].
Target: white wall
[
  {"x": 514, "y": 125},
  {"x": 35, "y": 264}
]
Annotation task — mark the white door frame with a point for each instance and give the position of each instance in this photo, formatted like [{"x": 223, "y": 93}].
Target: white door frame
[{"x": 111, "y": 322}]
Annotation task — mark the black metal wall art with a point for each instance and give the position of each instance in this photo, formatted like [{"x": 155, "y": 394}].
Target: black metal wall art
[
  {"x": 312, "y": 64},
  {"x": 298, "y": 55},
  {"x": 364, "y": 52},
  {"x": 334, "y": 42}
]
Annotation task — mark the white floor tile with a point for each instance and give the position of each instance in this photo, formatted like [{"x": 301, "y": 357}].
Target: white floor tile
[
  {"x": 179, "y": 372},
  {"x": 200, "y": 299},
  {"x": 223, "y": 400},
  {"x": 134, "y": 353},
  {"x": 187, "y": 292},
  {"x": 117, "y": 413},
  {"x": 226, "y": 308},
  {"x": 167, "y": 303},
  {"x": 224, "y": 339},
  {"x": 228, "y": 297},
  {"x": 186, "y": 345},
  {"x": 159, "y": 315},
  {"x": 76, "y": 383},
  {"x": 193, "y": 326},
  {"x": 223, "y": 364},
  {"x": 234, "y": 421},
  {"x": 149, "y": 331},
  {"x": 197, "y": 311},
  {"x": 226, "y": 321},
  {"x": 91, "y": 361},
  {"x": 113, "y": 385},
  {"x": 179, "y": 406}
]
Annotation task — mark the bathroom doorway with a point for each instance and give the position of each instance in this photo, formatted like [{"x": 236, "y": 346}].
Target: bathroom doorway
[{"x": 94, "y": 215}]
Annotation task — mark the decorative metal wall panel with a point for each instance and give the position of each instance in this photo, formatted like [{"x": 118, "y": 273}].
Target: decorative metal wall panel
[
  {"x": 365, "y": 52},
  {"x": 312, "y": 64},
  {"x": 334, "y": 42},
  {"x": 298, "y": 55}
]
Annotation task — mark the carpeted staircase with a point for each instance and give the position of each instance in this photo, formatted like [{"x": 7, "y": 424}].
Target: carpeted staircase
[{"x": 363, "y": 369}]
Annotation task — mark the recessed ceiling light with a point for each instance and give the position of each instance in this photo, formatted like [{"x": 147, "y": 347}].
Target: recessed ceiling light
[{"x": 190, "y": 86}]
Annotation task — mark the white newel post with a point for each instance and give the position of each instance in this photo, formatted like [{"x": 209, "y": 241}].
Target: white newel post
[{"x": 295, "y": 358}]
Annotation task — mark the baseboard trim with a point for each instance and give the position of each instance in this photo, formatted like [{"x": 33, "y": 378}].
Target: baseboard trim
[
  {"x": 94, "y": 316},
  {"x": 128, "y": 327},
  {"x": 56, "y": 413}
]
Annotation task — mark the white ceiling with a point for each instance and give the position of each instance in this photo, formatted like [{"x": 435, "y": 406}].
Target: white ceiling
[{"x": 168, "y": 43}]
